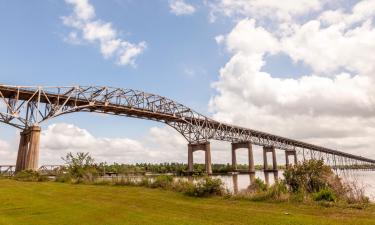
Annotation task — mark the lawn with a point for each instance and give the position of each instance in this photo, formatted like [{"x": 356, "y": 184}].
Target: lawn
[{"x": 59, "y": 203}]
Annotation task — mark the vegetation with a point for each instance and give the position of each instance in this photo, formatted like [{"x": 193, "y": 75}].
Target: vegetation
[
  {"x": 308, "y": 181},
  {"x": 61, "y": 203},
  {"x": 81, "y": 168},
  {"x": 178, "y": 169},
  {"x": 29, "y": 175},
  {"x": 319, "y": 182}
]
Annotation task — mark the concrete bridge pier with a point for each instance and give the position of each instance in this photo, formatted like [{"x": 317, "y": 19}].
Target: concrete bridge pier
[
  {"x": 290, "y": 153},
  {"x": 248, "y": 145},
  {"x": 235, "y": 183},
  {"x": 271, "y": 149},
  {"x": 192, "y": 147},
  {"x": 28, "y": 150}
]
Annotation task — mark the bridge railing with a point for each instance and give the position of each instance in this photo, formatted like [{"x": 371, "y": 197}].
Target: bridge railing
[{"x": 7, "y": 170}]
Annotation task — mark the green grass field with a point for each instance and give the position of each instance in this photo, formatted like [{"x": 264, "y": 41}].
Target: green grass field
[{"x": 59, "y": 203}]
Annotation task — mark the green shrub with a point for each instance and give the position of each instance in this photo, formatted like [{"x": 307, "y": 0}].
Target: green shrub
[
  {"x": 30, "y": 175},
  {"x": 325, "y": 194},
  {"x": 162, "y": 181},
  {"x": 182, "y": 185},
  {"x": 81, "y": 167},
  {"x": 206, "y": 187},
  {"x": 257, "y": 185},
  {"x": 276, "y": 192},
  {"x": 311, "y": 176},
  {"x": 123, "y": 181},
  {"x": 63, "y": 178},
  {"x": 299, "y": 196}
]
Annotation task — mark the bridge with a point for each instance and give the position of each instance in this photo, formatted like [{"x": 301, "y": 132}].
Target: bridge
[{"x": 26, "y": 107}]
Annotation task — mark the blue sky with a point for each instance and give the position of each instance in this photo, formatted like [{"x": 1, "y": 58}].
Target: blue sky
[
  {"x": 298, "y": 69},
  {"x": 181, "y": 59}
]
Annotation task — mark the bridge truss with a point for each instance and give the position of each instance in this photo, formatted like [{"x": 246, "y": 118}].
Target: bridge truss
[{"x": 27, "y": 106}]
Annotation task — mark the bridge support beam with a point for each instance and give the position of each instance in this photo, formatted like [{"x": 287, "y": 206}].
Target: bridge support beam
[
  {"x": 267, "y": 149},
  {"x": 248, "y": 145},
  {"x": 28, "y": 150},
  {"x": 192, "y": 147},
  {"x": 290, "y": 153}
]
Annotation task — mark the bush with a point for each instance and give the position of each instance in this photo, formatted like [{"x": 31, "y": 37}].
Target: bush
[
  {"x": 257, "y": 185},
  {"x": 311, "y": 176},
  {"x": 63, "y": 178},
  {"x": 81, "y": 167},
  {"x": 162, "y": 181},
  {"x": 278, "y": 191},
  {"x": 30, "y": 175},
  {"x": 206, "y": 187},
  {"x": 325, "y": 194}
]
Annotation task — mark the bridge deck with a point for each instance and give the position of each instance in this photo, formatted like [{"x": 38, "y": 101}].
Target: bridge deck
[{"x": 104, "y": 105}]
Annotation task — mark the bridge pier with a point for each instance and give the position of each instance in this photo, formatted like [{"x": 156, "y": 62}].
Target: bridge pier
[
  {"x": 28, "y": 150},
  {"x": 248, "y": 145},
  {"x": 192, "y": 147},
  {"x": 267, "y": 149},
  {"x": 290, "y": 153}
]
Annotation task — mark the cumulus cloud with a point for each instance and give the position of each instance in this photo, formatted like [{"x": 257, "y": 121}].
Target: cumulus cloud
[
  {"x": 8, "y": 153},
  {"x": 180, "y": 7},
  {"x": 272, "y": 9},
  {"x": 334, "y": 105},
  {"x": 59, "y": 139},
  {"x": 88, "y": 29}
]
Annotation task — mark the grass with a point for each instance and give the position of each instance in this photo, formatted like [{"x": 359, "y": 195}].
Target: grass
[{"x": 61, "y": 203}]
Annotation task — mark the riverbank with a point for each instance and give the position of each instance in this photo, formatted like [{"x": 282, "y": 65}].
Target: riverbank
[{"x": 61, "y": 203}]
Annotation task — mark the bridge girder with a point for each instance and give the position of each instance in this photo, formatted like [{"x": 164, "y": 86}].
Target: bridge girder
[{"x": 26, "y": 106}]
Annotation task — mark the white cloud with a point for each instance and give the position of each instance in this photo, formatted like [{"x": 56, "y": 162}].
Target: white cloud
[
  {"x": 86, "y": 28},
  {"x": 360, "y": 12},
  {"x": 333, "y": 106},
  {"x": 271, "y": 9},
  {"x": 332, "y": 48},
  {"x": 180, "y": 7},
  {"x": 8, "y": 153},
  {"x": 59, "y": 139}
]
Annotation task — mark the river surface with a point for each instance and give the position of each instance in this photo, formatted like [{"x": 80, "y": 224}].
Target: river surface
[{"x": 236, "y": 183}]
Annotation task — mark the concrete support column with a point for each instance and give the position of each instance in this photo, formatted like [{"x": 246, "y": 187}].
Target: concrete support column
[
  {"x": 276, "y": 176},
  {"x": 265, "y": 163},
  {"x": 33, "y": 153},
  {"x": 248, "y": 145},
  {"x": 266, "y": 177},
  {"x": 290, "y": 153},
  {"x": 21, "y": 156},
  {"x": 274, "y": 162},
  {"x": 208, "y": 158},
  {"x": 234, "y": 158},
  {"x": 190, "y": 159},
  {"x": 235, "y": 183},
  {"x": 192, "y": 147},
  {"x": 28, "y": 150},
  {"x": 252, "y": 178},
  {"x": 251, "y": 158}
]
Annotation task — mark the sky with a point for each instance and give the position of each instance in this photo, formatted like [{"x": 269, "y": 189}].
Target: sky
[{"x": 300, "y": 69}]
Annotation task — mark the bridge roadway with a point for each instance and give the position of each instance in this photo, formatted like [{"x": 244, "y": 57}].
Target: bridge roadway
[{"x": 25, "y": 107}]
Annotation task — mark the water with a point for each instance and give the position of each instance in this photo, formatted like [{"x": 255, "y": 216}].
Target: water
[{"x": 240, "y": 182}]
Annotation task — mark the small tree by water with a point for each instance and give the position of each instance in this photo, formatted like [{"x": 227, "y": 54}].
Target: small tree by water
[
  {"x": 314, "y": 179},
  {"x": 80, "y": 168}
]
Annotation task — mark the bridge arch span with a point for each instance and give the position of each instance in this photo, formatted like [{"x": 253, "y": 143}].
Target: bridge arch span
[{"x": 25, "y": 107}]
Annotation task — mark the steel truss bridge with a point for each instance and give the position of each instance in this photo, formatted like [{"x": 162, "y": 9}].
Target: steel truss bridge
[{"x": 26, "y": 107}]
